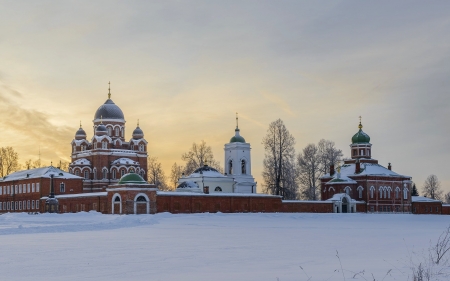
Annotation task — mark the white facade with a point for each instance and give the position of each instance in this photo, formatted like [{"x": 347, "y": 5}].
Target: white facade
[{"x": 238, "y": 164}]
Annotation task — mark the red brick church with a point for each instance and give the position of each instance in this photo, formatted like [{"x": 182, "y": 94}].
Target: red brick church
[
  {"x": 361, "y": 178},
  {"x": 107, "y": 156}
]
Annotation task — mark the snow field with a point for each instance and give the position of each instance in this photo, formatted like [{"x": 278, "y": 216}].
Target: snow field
[{"x": 92, "y": 246}]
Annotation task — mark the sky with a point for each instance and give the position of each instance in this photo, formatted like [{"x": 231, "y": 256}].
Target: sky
[{"x": 184, "y": 68}]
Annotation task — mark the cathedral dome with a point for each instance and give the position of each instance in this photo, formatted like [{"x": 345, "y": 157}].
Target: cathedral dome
[
  {"x": 101, "y": 130},
  {"x": 132, "y": 178},
  {"x": 237, "y": 137},
  {"x": 360, "y": 136},
  {"x": 80, "y": 134},
  {"x": 138, "y": 133},
  {"x": 109, "y": 110}
]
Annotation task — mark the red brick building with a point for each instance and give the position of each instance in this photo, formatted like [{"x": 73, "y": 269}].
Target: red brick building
[
  {"x": 104, "y": 159},
  {"x": 361, "y": 178},
  {"x": 21, "y": 191}
]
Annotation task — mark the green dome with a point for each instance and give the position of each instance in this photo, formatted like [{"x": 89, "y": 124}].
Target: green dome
[
  {"x": 132, "y": 178},
  {"x": 360, "y": 136},
  {"x": 237, "y": 137}
]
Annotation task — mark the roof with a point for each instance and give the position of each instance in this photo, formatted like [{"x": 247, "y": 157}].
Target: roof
[
  {"x": 109, "y": 110},
  {"x": 237, "y": 137},
  {"x": 124, "y": 161},
  {"x": 360, "y": 136},
  {"x": 367, "y": 169},
  {"x": 206, "y": 171},
  {"x": 132, "y": 178},
  {"x": 44, "y": 172},
  {"x": 188, "y": 184},
  {"x": 423, "y": 199}
]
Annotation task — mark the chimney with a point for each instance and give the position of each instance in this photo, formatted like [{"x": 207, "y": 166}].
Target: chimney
[
  {"x": 357, "y": 167},
  {"x": 331, "y": 170},
  {"x": 389, "y": 166}
]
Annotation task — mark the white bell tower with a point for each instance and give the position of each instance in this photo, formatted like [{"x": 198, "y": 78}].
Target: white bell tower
[{"x": 238, "y": 163}]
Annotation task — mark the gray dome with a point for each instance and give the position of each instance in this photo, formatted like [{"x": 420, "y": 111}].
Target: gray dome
[
  {"x": 80, "y": 134},
  {"x": 109, "y": 110},
  {"x": 101, "y": 130},
  {"x": 138, "y": 133}
]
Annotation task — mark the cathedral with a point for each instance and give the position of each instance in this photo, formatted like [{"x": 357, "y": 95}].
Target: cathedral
[{"x": 107, "y": 156}]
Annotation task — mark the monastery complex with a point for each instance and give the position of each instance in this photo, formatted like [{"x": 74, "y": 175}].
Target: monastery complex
[{"x": 108, "y": 174}]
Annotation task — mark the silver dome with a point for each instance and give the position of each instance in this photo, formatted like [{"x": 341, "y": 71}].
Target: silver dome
[{"x": 109, "y": 110}]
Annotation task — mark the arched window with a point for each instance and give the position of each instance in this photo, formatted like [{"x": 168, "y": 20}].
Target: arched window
[
  {"x": 105, "y": 173},
  {"x": 122, "y": 172},
  {"x": 389, "y": 192},
  {"x": 142, "y": 174},
  {"x": 397, "y": 192},
  {"x": 74, "y": 148},
  {"x": 95, "y": 173},
  {"x": 77, "y": 173},
  {"x": 347, "y": 190},
  {"x": 360, "y": 190},
  {"x": 117, "y": 199},
  {"x": 86, "y": 174},
  {"x": 230, "y": 167},
  {"x": 62, "y": 187},
  {"x": 243, "y": 167},
  {"x": 372, "y": 189},
  {"x": 131, "y": 170},
  {"x": 104, "y": 145},
  {"x": 218, "y": 189},
  {"x": 381, "y": 192},
  {"x": 114, "y": 174},
  {"x": 141, "y": 147},
  {"x": 122, "y": 132},
  {"x": 117, "y": 132},
  {"x": 141, "y": 199},
  {"x": 109, "y": 131},
  {"x": 132, "y": 147},
  {"x": 405, "y": 193}
]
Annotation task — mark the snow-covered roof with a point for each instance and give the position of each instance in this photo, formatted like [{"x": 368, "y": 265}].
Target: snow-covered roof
[
  {"x": 124, "y": 161},
  {"x": 423, "y": 199},
  {"x": 91, "y": 194},
  {"x": 226, "y": 194},
  {"x": 43, "y": 172},
  {"x": 338, "y": 197},
  {"x": 82, "y": 161},
  {"x": 369, "y": 169},
  {"x": 188, "y": 184}
]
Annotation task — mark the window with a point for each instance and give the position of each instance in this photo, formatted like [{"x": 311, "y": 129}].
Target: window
[
  {"x": 141, "y": 199},
  {"x": 360, "y": 190},
  {"x": 437, "y": 209},
  {"x": 16, "y": 189},
  {"x": 0, "y": 206},
  {"x": 20, "y": 188},
  {"x": 37, "y": 187},
  {"x": 77, "y": 173},
  {"x": 230, "y": 167},
  {"x": 20, "y": 205},
  {"x": 104, "y": 145},
  {"x": 141, "y": 147},
  {"x": 95, "y": 173},
  {"x": 397, "y": 191},
  {"x": 37, "y": 204},
  {"x": 109, "y": 131},
  {"x": 372, "y": 209},
  {"x": 354, "y": 152},
  {"x": 243, "y": 167},
  {"x": 62, "y": 187},
  {"x": 1, "y": 189},
  {"x": 389, "y": 192},
  {"x": 105, "y": 173},
  {"x": 122, "y": 172},
  {"x": 86, "y": 174},
  {"x": 142, "y": 174},
  {"x": 389, "y": 208},
  {"x": 405, "y": 193},
  {"x": 33, "y": 188},
  {"x": 32, "y": 204},
  {"x": 132, "y": 147},
  {"x": 28, "y": 188},
  {"x": 9, "y": 206},
  {"x": 9, "y": 190},
  {"x": 4, "y": 205},
  {"x": 122, "y": 132},
  {"x": 117, "y": 132},
  {"x": 114, "y": 174},
  {"x": 218, "y": 189},
  {"x": 117, "y": 199},
  {"x": 83, "y": 148},
  {"x": 361, "y": 152},
  {"x": 74, "y": 148},
  {"x": 371, "y": 191},
  {"x": 347, "y": 190},
  {"x": 15, "y": 205},
  {"x": 28, "y": 204},
  {"x": 381, "y": 192}
]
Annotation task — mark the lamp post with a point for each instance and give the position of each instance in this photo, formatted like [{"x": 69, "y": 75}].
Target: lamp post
[{"x": 51, "y": 203}]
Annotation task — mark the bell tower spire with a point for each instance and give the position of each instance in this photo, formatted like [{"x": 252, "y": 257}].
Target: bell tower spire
[{"x": 109, "y": 90}]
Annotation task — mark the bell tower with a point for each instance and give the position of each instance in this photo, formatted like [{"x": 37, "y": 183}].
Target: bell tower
[{"x": 238, "y": 162}]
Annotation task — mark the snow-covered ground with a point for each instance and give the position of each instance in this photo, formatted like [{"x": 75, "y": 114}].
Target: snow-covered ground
[{"x": 91, "y": 246}]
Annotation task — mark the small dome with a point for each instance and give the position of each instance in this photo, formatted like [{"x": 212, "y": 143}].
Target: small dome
[
  {"x": 138, "y": 133},
  {"x": 101, "y": 130},
  {"x": 237, "y": 137},
  {"x": 109, "y": 110},
  {"x": 132, "y": 178},
  {"x": 80, "y": 134},
  {"x": 360, "y": 136},
  {"x": 205, "y": 168}
]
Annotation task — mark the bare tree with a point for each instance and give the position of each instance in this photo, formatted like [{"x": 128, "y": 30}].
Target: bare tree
[
  {"x": 309, "y": 162},
  {"x": 156, "y": 174},
  {"x": 447, "y": 198},
  {"x": 30, "y": 164},
  {"x": 175, "y": 173},
  {"x": 9, "y": 161},
  {"x": 279, "y": 161},
  {"x": 328, "y": 154},
  {"x": 63, "y": 165},
  {"x": 199, "y": 155},
  {"x": 432, "y": 188}
]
